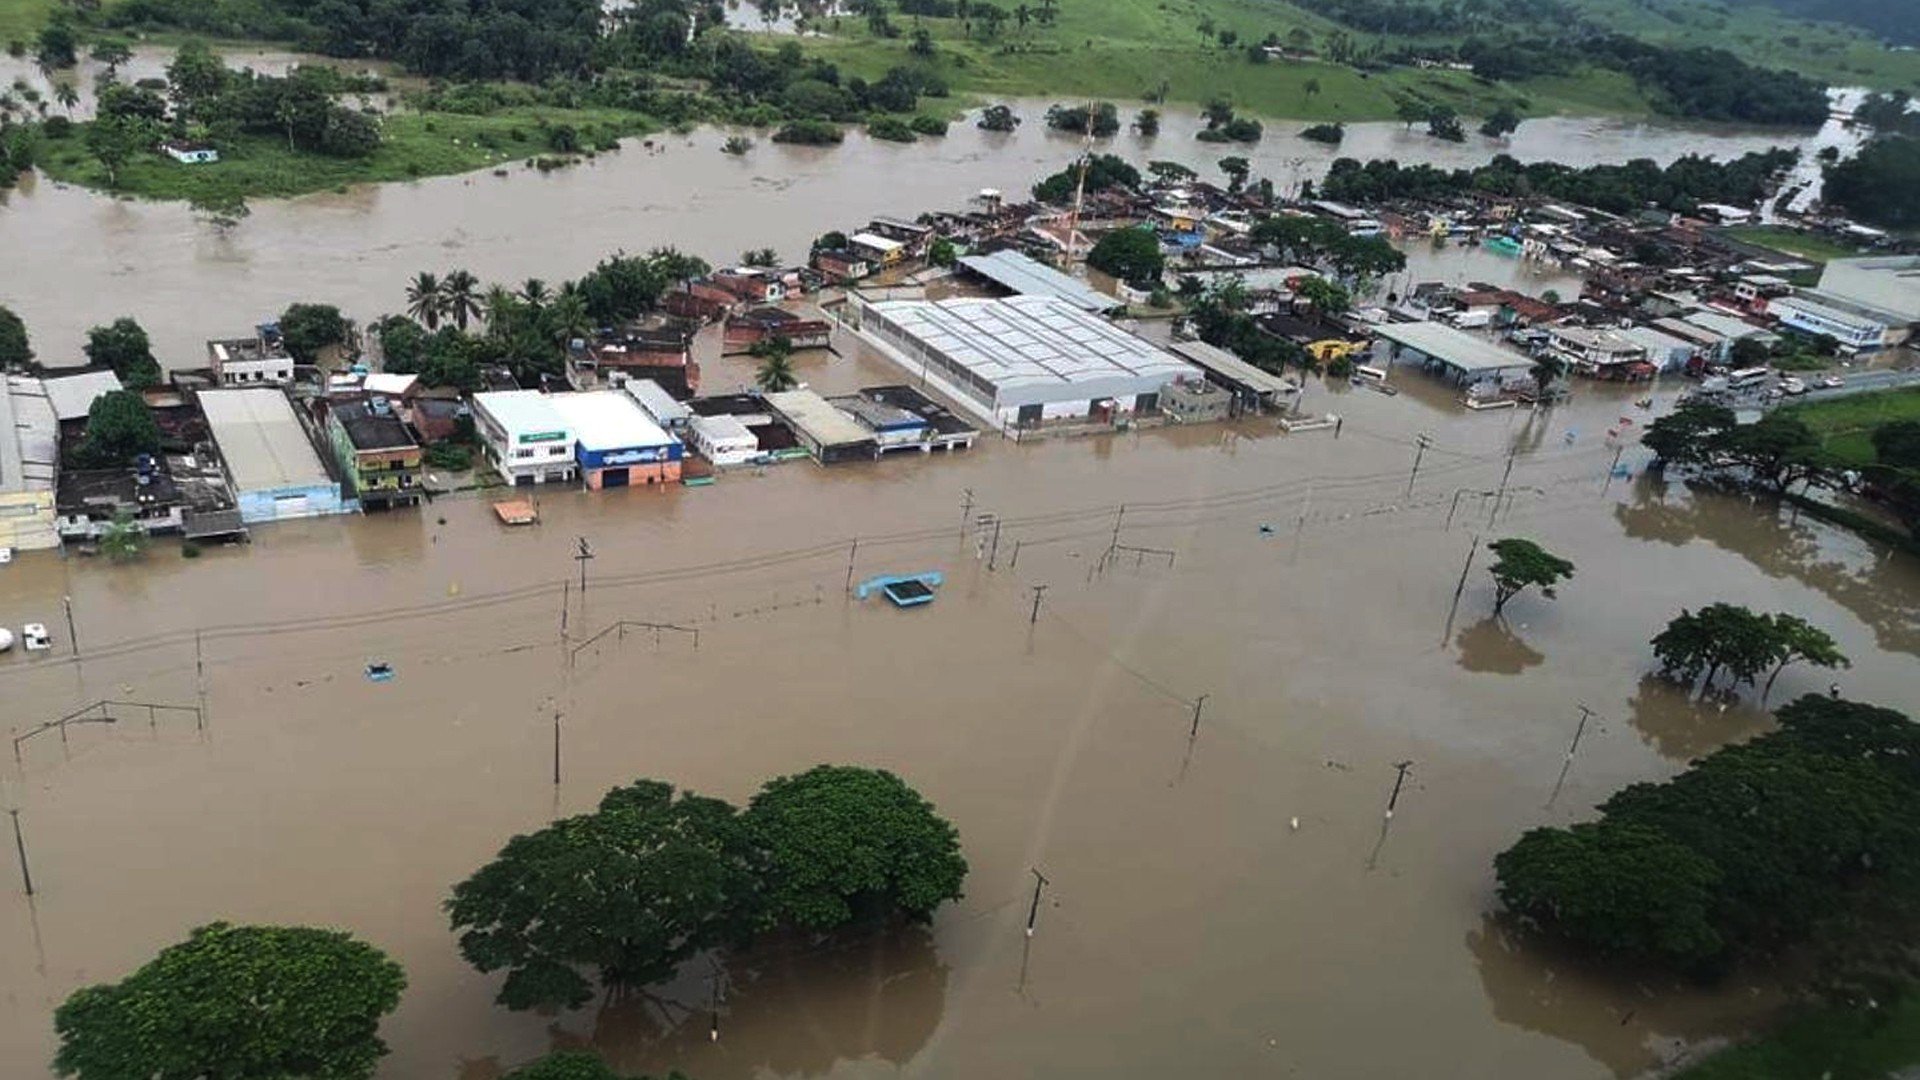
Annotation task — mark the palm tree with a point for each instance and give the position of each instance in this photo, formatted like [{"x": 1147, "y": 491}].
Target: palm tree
[
  {"x": 458, "y": 301},
  {"x": 535, "y": 293},
  {"x": 761, "y": 257},
  {"x": 424, "y": 301},
  {"x": 676, "y": 266},
  {"x": 567, "y": 318},
  {"x": 1021, "y": 14},
  {"x": 66, "y": 95},
  {"x": 776, "y": 372},
  {"x": 503, "y": 310}
]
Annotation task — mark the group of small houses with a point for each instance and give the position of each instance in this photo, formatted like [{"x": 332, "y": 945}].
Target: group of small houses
[{"x": 1016, "y": 346}]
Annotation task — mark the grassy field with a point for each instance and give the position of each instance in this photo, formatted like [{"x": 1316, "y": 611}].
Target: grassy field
[
  {"x": 1834, "y": 1044},
  {"x": 1845, "y": 424},
  {"x": 1792, "y": 242},
  {"x": 417, "y": 145},
  {"x": 20, "y": 20}
]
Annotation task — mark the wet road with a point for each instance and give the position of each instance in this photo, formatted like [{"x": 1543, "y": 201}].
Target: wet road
[{"x": 1189, "y": 931}]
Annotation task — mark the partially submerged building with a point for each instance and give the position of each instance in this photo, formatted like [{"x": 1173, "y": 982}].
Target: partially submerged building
[
  {"x": 272, "y": 464},
  {"x": 1022, "y": 360},
  {"x": 828, "y": 434},
  {"x": 1251, "y": 388},
  {"x": 376, "y": 451},
  {"x": 527, "y": 440},
  {"x": 29, "y": 464},
  {"x": 1020, "y": 275},
  {"x": 616, "y": 443},
  {"x": 260, "y": 359},
  {"x": 1466, "y": 360}
]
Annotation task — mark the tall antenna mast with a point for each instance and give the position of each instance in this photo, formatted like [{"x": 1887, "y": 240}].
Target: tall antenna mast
[{"x": 1080, "y": 186}]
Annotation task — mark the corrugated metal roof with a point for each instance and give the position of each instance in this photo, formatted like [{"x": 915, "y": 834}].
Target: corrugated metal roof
[
  {"x": 1222, "y": 362},
  {"x": 1015, "y": 271},
  {"x": 822, "y": 422},
  {"x": 73, "y": 395},
  {"x": 261, "y": 439},
  {"x": 1455, "y": 348}
]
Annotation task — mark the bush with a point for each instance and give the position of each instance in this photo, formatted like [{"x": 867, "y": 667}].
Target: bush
[
  {"x": 809, "y": 133},
  {"x": 890, "y": 128},
  {"x": 928, "y": 125},
  {"x": 450, "y": 456}
]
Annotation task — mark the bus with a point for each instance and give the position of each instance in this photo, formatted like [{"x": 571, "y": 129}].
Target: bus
[{"x": 1746, "y": 377}]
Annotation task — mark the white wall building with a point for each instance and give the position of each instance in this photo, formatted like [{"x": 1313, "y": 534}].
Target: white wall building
[
  {"x": 1857, "y": 327},
  {"x": 1021, "y": 360},
  {"x": 723, "y": 440},
  {"x": 527, "y": 440}
]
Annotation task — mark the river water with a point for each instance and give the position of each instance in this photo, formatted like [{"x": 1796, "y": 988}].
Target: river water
[
  {"x": 90, "y": 258},
  {"x": 1188, "y": 929}
]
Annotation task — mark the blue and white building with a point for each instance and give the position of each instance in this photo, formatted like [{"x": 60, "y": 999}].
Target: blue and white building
[
  {"x": 276, "y": 471},
  {"x": 616, "y": 443}
]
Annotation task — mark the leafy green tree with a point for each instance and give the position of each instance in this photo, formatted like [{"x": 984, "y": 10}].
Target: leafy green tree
[
  {"x": 1147, "y": 123},
  {"x": 1103, "y": 172},
  {"x": 1523, "y": 564},
  {"x": 1327, "y": 297},
  {"x": 238, "y": 1003},
  {"x": 831, "y": 241},
  {"x": 625, "y": 893},
  {"x": 1411, "y": 112},
  {"x": 112, "y": 52},
  {"x": 57, "y": 46},
  {"x": 1796, "y": 640},
  {"x": 1132, "y": 255},
  {"x": 309, "y": 328},
  {"x": 1503, "y": 121},
  {"x": 196, "y": 75},
  {"x": 119, "y": 428},
  {"x": 123, "y": 346},
  {"x": 1779, "y": 448},
  {"x": 124, "y": 540},
  {"x": 1718, "y": 637},
  {"x": 760, "y": 257},
  {"x": 1444, "y": 123},
  {"x": 942, "y": 252},
  {"x": 841, "y": 843},
  {"x": 15, "y": 347},
  {"x": 403, "y": 344},
  {"x": 66, "y": 95},
  {"x": 1170, "y": 172},
  {"x": 1621, "y": 891},
  {"x": 1236, "y": 169},
  {"x": 1877, "y": 184},
  {"x": 1689, "y": 435},
  {"x": 114, "y": 140}
]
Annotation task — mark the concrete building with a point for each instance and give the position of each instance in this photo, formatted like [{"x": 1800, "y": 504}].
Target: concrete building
[
  {"x": 659, "y": 404},
  {"x": 723, "y": 440},
  {"x": 1666, "y": 352},
  {"x": 271, "y": 462},
  {"x": 29, "y": 464},
  {"x": 1889, "y": 283},
  {"x": 1022, "y": 360},
  {"x": 1252, "y": 388},
  {"x": 944, "y": 429},
  {"x": 1598, "y": 351},
  {"x": 1857, "y": 327},
  {"x": 527, "y": 441},
  {"x": 260, "y": 359},
  {"x": 616, "y": 443},
  {"x": 830, "y": 435},
  {"x": 1195, "y": 400},
  {"x": 377, "y": 452},
  {"x": 1022, "y": 276},
  {"x": 892, "y": 427}
]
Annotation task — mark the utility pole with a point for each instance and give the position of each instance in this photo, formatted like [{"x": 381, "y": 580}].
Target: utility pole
[
  {"x": 1614, "y": 467},
  {"x": 1118, "y": 517},
  {"x": 1460, "y": 586},
  {"x": 1419, "y": 451},
  {"x": 556, "y": 748},
  {"x": 566, "y": 601},
  {"x": 713, "y": 1032},
  {"x": 852, "y": 551},
  {"x": 1398, "y": 780},
  {"x": 26, "y": 876},
  {"x": 1035, "y": 617},
  {"x": 1197, "y": 704},
  {"x": 994, "y": 555},
  {"x": 73, "y": 635},
  {"x": 200, "y": 678},
  {"x": 1033, "y": 909},
  {"x": 584, "y": 556},
  {"x": 1511, "y": 451},
  {"x": 966, "y": 511},
  {"x": 1585, "y": 715}
]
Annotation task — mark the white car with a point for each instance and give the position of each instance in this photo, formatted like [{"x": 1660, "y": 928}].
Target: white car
[
  {"x": 6, "y": 555},
  {"x": 34, "y": 637},
  {"x": 1831, "y": 382},
  {"x": 1792, "y": 387}
]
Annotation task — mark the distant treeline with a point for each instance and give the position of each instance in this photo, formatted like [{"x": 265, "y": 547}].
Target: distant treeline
[
  {"x": 1618, "y": 189},
  {"x": 1896, "y": 22},
  {"x": 1879, "y": 185},
  {"x": 1414, "y": 18}
]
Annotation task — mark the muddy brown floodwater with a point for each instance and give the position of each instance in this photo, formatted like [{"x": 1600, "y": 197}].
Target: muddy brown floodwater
[
  {"x": 1188, "y": 930},
  {"x": 93, "y": 258}
]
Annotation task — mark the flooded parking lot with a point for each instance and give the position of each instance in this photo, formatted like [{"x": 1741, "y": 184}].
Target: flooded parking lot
[{"x": 1189, "y": 929}]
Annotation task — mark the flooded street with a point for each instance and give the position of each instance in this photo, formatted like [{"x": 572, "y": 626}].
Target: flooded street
[
  {"x": 94, "y": 258},
  {"x": 1188, "y": 929}
]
